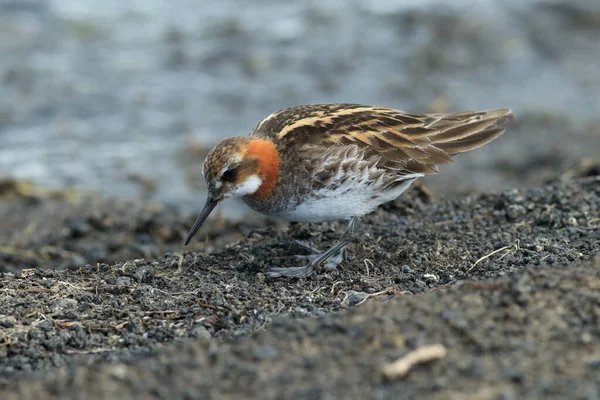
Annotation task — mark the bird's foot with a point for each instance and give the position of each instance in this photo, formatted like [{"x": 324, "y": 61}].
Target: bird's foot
[
  {"x": 332, "y": 257},
  {"x": 314, "y": 252},
  {"x": 331, "y": 262}
]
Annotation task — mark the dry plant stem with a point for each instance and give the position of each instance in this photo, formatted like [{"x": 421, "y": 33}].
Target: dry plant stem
[
  {"x": 514, "y": 245},
  {"x": 401, "y": 367}
]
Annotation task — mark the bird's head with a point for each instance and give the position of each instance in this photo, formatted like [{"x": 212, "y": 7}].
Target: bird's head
[{"x": 238, "y": 167}]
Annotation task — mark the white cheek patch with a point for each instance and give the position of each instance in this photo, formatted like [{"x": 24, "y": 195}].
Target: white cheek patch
[{"x": 249, "y": 186}]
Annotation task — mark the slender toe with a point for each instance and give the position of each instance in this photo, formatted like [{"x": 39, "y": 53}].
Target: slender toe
[
  {"x": 307, "y": 247},
  {"x": 292, "y": 272},
  {"x": 307, "y": 257}
]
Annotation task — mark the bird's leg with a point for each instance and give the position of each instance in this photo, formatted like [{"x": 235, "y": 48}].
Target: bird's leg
[{"x": 333, "y": 256}]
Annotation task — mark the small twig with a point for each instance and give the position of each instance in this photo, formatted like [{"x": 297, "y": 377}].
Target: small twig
[
  {"x": 491, "y": 254},
  {"x": 385, "y": 291},
  {"x": 368, "y": 263},
  {"x": 401, "y": 367},
  {"x": 122, "y": 325},
  {"x": 67, "y": 324},
  {"x": 346, "y": 295},
  {"x": 124, "y": 267},
  {"x": 334, "y": 285},
  {"x": 179, "y": 265}
]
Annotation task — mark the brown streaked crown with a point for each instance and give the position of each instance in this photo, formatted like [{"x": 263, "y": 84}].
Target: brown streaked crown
[{"x": 223, "y": 154}]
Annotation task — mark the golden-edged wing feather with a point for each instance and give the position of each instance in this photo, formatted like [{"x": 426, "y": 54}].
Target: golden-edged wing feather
[{"x": 406, "y": 142}]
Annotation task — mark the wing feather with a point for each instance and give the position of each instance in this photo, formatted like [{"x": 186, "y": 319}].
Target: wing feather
[{"x": 405, "y": 142}]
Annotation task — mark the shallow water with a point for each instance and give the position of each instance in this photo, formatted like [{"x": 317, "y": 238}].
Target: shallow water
[{"x": 105, "y": 95}]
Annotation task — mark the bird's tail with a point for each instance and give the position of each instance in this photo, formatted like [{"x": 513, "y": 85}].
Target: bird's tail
[{"x": 465, "y": 131}]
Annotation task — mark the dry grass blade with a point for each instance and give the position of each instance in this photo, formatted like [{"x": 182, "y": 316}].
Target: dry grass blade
[
  {"x": 401, "y": 367},
  {"x": 514, "y": 246}
]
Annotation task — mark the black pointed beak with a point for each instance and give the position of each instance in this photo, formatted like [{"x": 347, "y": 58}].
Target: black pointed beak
[{"x": 208, "y": 207}]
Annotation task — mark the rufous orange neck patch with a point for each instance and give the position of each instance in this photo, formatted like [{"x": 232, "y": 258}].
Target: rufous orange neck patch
[{"x": 268, "y": 165}]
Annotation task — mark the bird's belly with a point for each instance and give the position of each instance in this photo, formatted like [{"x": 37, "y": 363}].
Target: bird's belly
[
  {"x": 328, "y": 208},
  {"x": 341, "y": 203}
]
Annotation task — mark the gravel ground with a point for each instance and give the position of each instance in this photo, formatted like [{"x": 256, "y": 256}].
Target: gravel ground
[{"x": 504, "y": 281}]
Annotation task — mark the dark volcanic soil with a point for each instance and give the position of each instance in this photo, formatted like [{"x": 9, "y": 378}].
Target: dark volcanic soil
[{"x": 509, "y": 283}]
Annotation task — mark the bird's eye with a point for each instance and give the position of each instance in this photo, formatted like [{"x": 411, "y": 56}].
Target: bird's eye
[{"x": 229, "y": 175}]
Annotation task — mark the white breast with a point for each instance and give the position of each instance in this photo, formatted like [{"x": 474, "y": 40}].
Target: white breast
[{"x": 353, "y": 199}]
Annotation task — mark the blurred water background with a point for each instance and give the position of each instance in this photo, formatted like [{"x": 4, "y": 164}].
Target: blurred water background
[{"x": 126, "y": 97}]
